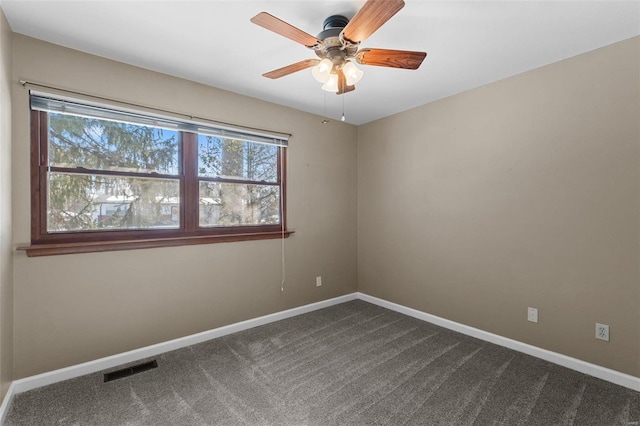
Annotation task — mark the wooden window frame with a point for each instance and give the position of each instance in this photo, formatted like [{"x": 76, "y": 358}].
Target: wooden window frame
[{"x": 45, "y": 243}]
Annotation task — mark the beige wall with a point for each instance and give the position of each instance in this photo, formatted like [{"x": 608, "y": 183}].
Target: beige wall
[
  {"x": 6, "y": 260},
  {"x": 521, "y": 193},
  {"x": 74, "y": 308}
]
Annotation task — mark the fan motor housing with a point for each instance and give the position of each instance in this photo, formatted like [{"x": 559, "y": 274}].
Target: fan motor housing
[
  {"x": 333, "y": 47},
  {"x": 332, "y": 26}
]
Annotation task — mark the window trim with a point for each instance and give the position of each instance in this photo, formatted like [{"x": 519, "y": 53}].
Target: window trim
[{"x": 44, "y": 243}]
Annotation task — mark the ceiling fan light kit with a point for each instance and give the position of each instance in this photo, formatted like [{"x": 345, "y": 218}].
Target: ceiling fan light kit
[{"x": 337, "y": 46}]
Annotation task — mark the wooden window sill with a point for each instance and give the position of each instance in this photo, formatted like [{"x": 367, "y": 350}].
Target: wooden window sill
[{"x": 36, "y": 250}]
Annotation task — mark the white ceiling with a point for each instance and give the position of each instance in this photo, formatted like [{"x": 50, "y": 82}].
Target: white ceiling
[{"x": 469, "y": 43}]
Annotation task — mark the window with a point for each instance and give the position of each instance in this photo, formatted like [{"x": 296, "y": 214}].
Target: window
[{"x": 106, "y": 179}]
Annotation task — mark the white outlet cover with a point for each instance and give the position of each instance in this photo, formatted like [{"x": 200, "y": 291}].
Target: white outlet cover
[
  {"x": 602, "y": 332},
  {"x": 318, "y": 281},
  {"x": 532, "y": 314}
]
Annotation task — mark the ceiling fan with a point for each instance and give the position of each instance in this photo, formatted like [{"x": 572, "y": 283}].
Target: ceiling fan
[{"x": 337, "y": 46}]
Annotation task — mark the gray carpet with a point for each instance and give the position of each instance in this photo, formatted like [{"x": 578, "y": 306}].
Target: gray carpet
[{"x": 350, "y": 364}]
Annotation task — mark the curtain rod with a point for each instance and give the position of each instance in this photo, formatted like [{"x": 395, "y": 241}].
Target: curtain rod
[{"x": 26, "y": 83}]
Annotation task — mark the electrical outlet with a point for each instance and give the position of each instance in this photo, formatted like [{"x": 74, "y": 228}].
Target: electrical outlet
[
  {"x": 602, "y": 332},
  {"x": 318, "y": 281},
  {"x": 532, "y": 314}
]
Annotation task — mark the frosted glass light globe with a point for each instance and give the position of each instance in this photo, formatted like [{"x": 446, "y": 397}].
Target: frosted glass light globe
[
  {"x": 352, "y": 73},
  {"x": 322, "y": 70},
  {"x": 332, "y": 84}
]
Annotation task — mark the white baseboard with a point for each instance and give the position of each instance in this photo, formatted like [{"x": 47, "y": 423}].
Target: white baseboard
[
  {"x": 32, "y": 382},
  {"x": 603, "y": 373},
  {"x": 6, "y": 401}
]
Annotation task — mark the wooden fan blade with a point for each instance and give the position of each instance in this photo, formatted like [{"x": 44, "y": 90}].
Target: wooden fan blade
[
  {"x": 391, "y": 58},
  {"x": 278, "y": 26},
  {"x": 290, "y": 69},
  {"x": 342, "y": 84},
  {"x": 372, "y": 16}
]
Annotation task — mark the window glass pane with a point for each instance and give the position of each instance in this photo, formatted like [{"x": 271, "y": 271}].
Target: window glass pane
[
  {"x": 78, "y": 202},
  {"x": 76, "y": 141},
  {"x": 231, "y": 204},
  {"x": 235, "y": 159}
]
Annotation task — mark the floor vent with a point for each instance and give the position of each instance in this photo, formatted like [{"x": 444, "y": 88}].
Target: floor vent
[{"x": 129, "y": 371}]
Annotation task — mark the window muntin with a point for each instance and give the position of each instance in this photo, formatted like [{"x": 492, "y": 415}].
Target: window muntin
[{"x": 100, "y": 176}]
